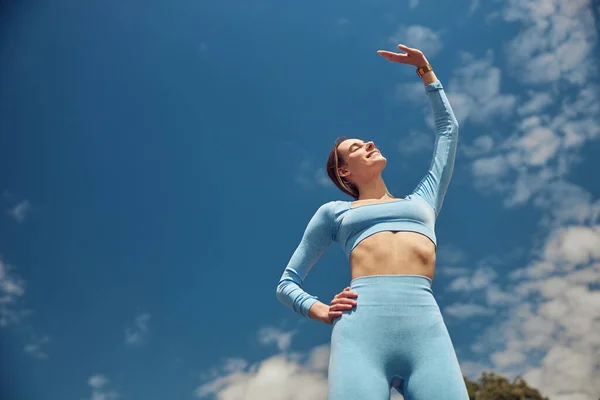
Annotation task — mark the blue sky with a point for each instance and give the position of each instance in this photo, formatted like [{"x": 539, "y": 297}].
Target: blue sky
[{"x": 159, "y": 162}]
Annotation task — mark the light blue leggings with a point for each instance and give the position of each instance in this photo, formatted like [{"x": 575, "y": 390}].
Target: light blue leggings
[{"x": 394, "y": 337}]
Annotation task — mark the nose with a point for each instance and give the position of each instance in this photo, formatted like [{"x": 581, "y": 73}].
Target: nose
[{"x": 370, "y": 145}]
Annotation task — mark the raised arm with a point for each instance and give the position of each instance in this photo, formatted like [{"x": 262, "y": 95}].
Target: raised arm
[
  {"x": 435, "y": 183},
  {"x": 433, "y": 186},
  {"x": 317, "y": 237}
]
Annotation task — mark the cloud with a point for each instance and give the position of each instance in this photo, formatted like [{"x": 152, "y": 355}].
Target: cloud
[
  {"x": 412, "y": 4},
  {"x": 556, "y": 40},
  {"x": 473, "y": 7},
  {"x": 546, "y": 332},
  {"x": 415, "y": 142},
  {"x": 35, "y": 349},
  {"x": 419, "y": 37},
  {"x": 308, "y": 176},
  {"x": 271, "y": 335},
  {"x": 538, "y": 102},
  {"x": 411, "y": 92},
  {"x": 12, "y": 288},
  {"x": 286, "y": 375},
  {"x": 475, "y": 93},
  {"x": 540, "y": 149},
  {"x": 99, "y": 384},
  {"x": 140, "y": 331},
  {"x": 467, "y": 310},
  {"x": 480, "y": 279},
  {"x": 20, "y": 210},
  {"x": 283, "y": 376}
]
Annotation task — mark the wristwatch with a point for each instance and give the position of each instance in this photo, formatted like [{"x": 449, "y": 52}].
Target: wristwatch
[{"x": 423, "y": 70}]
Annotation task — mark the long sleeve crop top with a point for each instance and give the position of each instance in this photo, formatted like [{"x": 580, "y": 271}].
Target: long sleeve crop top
[{"x": 340, "y": 222}]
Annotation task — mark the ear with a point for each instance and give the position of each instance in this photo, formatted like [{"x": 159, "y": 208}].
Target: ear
[{"x": 343, "y": 172}]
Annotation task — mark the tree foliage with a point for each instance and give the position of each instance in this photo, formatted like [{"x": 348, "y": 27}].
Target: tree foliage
[{"x": 495, "y": 387}]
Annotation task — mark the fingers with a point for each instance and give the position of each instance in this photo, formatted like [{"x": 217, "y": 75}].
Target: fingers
[
  {"x": 404, "y": 48},
  {"x": 343, "y": 301},
  {"x": 341, "y": 304},
  {"x": 345, "y": 293},
  {"x": 396, "y": 57}
]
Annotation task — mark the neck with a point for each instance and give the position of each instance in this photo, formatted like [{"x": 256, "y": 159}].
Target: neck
[{"x": 374, "y": 189}]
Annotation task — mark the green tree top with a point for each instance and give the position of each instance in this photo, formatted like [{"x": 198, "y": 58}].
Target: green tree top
[{"x": 495, "y": 387}]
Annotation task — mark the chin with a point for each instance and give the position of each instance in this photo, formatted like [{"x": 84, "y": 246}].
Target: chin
[{"x": 380, "y": 164}]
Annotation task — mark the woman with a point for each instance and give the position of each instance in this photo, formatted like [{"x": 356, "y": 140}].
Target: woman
[{"x": 387, "y": 327}]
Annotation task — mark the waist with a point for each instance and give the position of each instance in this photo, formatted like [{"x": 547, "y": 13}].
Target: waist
[
  {"x": 390, "y": 226},
  {"x": 393, "y": 253},
  {"x": 395, "y": 290}
]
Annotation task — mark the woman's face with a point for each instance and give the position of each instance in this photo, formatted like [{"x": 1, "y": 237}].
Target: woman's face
[{"x": 363, "y": 160}]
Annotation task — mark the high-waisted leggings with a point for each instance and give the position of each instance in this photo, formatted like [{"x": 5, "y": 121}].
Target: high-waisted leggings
[{"x": 394, "y": 337}]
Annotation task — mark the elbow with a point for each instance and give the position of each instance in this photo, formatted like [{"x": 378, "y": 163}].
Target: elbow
[
  {"x": 454, "y": 125},
  {"x": 280, "y": 291}
]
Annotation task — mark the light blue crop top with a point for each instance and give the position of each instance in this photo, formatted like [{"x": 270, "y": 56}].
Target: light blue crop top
[{"x": 338, "y": 221}]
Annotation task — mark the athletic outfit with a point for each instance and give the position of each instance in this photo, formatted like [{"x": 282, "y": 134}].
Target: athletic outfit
[{"x": 395, "y": 336}]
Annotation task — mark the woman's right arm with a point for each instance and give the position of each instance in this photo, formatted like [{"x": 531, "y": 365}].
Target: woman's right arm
[{"x": 316, "y": 239}]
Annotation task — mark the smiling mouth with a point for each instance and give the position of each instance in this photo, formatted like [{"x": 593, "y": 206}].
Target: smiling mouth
[{"x": 373, "y": 153}]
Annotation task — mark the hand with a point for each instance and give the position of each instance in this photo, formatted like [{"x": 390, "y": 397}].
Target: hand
[
  {"x": 342, "y": 301},
  {"x": 410, "y": 56}
]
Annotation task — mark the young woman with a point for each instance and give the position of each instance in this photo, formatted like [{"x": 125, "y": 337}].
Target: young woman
[{"x": 387, "y": 327}]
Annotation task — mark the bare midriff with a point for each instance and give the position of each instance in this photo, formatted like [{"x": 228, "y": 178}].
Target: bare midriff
[{"x": 393, "y": 253}]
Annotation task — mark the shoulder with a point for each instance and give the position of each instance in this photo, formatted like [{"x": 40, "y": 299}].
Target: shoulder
[
  {"x": 331, "y": 208},
  {"x": 330, "y": 211}
]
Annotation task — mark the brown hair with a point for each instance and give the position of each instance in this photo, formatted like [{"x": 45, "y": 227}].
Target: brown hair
[{"x": 335, "y": 160}]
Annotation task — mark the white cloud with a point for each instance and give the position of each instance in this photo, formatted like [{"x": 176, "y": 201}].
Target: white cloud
[
  {"x": 12, "y": 288},
  {"x": 490, "y": 167},
  {"x": 412, "y": 4},
  {"x": 538, "y": 101},
  {"x": 473, "y": 7},
  {"x": 411, "y": 92},
  {"x": 35, "y": 348},
  {"x": 283, "y": 376},
  {"x": 567, "y": 204},
  {"x": 540, "y": 150},
  {"x": 481, "y": 278},
  {"x": 546, "y": 332},
  {"x": 448, "y": 254},
  {"x": 275, "y": 336},
  {"x": 20, "y": 210},
  {"x": 556, "y": 40},
  {"x": 481, "y": 145},
  {"x": 99, "y": 384},
  {"x": 290, "y": 375},
  {"x": 97, "y": 381},
  {"x": 474, "y": 91},
  {"x": 573, "y": 246},
  {"x": 419, "y": 37},
  {"x": 467, "y": 310},
  {"x": 139, "y": 332},
  {"x": 309, "y": 176},
  {"x": 415, "y": 142}
]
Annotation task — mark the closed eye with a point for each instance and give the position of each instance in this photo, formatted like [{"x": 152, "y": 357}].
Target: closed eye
[{"x": 355, "y": 147}]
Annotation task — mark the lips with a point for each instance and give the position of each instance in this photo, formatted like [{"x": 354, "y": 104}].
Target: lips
[{"x": 372, "y": 153}]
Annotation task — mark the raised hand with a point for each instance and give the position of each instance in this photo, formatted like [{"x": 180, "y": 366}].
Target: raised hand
[{"x": 409, "y": 56}]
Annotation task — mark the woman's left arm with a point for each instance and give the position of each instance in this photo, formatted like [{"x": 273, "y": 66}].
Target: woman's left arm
[{"x": 433, "y": 186}]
